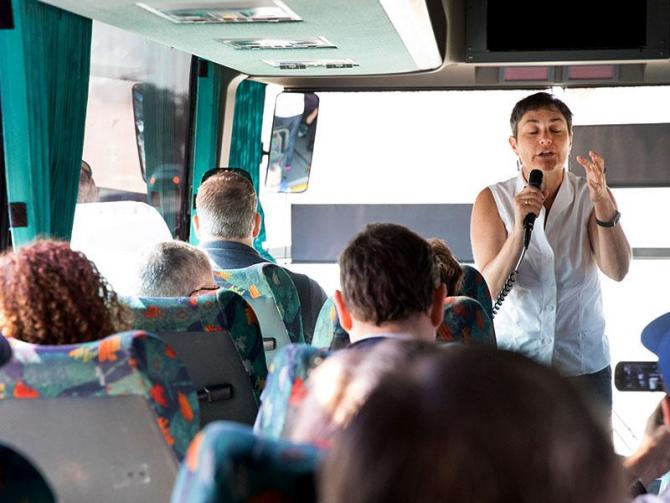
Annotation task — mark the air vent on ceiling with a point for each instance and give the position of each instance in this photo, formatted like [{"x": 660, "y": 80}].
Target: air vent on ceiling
[
  {"x": 272, "y": 43},
  {"x": 239, "y": 11},
  {"x": 311, "y": 63}
]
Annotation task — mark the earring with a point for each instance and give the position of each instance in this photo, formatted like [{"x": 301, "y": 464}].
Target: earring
[{"x": 518, "y": 164}]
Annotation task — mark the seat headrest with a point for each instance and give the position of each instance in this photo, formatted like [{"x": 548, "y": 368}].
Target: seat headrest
[
  {"x": 268, "y": 281},
  {"x": 474, "y": 285},
  {"x": 227, "y": 462},
  {"x": 466, "y": 321},
  {"x": 286, "y": 377}
]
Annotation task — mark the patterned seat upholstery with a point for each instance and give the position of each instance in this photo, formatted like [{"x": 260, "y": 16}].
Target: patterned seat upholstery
[
  {"x": 218, "y": 338},
  {"x": 226, "y": 463},
  {"x": 474, "y": 285},
  {"x": 129, "y": 363},
  {"x": 328, "y": 333},
  {"x": 285, "y": 387},
  {"x": 20, "y": 481},
  {"x": 466, "y": 321},
  {"x": 273, "y": 296}
]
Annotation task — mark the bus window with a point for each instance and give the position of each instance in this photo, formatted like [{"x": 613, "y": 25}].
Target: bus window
[
  {"x": 420, "y": 158},
  {"x": 137, "y": 121},
  {"x": 136, "y": 143}
]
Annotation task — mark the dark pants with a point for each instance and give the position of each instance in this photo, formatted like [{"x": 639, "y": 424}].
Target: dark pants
[{"x": 596, "y": 389}]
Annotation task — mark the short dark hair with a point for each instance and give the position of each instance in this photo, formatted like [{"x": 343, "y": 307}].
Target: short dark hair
[
  {"x": 226, "y": 205},
  {"x": 535, "y": 102},
  {"x": 388, "y": 273},
  {"x": 472, "y": 425}
]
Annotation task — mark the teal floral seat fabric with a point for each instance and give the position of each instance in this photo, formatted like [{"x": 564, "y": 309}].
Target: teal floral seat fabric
[
  {"x": 225, "y": 312},
  {"x": 285, "y": 386},
  {"x": 226, "y": 463},
  {"x": 466, "y": 321},
  {"x": 474, "y": 285},
  {"x": 20, "y": 480},
  {"x": 129, "y": 363},
  {"x": 328, "y": 332},
  {"x": 268, "y": 281}
]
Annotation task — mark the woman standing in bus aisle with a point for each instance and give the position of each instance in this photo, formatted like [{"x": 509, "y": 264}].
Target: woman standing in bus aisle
[{"x": 554, "y": 311}]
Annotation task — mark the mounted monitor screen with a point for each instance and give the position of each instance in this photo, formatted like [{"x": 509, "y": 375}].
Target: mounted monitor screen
[{"x": 572, "y": 31}]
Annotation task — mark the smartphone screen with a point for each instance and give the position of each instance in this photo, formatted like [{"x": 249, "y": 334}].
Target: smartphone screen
[{"x": 638, "y": 376}]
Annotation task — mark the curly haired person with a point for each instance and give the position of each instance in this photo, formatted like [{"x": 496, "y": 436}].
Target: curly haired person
[{"x": 51, "y": 294}]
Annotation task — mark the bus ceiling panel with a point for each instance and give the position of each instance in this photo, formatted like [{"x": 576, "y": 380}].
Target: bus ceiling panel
[{"x": 353, "y": 37}]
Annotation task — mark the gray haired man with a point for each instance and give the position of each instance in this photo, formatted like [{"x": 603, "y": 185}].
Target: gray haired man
[
  {"x": 174, "y": 269},
  {"x": 227, "y": 223}
]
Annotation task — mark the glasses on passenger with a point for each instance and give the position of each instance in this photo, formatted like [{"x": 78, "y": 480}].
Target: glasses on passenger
[
  {"x": 217, "y": 171},
  {"x": 203, "y": 291}
]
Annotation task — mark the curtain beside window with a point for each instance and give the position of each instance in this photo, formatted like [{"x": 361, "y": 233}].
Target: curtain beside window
[
  {"x": 246, "y": 148},
  {"x": 5, "y": 236},
  {"x": 44, "y": 73}
]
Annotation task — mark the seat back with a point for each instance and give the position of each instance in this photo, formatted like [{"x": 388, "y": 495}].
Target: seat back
[
  {"x": 20, "y": 480},
  {"x": 93, "y": 448},
  {"x": 474, "y": 285},
  {"x": 219, "y": 340},
  {"x": 285, "y": 386},
  {"x": 114, "y": 416},
  {"x": 328, "y": 332},
  {"x": 466, "y": 321},
  {"x": 274, "y": 298},
  {"x": 227, "y": 463}
]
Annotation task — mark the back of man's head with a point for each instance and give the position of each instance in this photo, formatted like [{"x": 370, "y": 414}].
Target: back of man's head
[
  {"x": 173, "y": 269},
  {"x": 226, "y": 205},
  {"x": 387, "y": 274}
]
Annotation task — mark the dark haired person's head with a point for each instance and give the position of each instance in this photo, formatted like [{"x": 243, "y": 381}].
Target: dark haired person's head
[
  {"x": 389, "y": 278},
  {"x": 451, "y": 272},
  {"x": 51, "y": 294},
  {"x": 475, "y": 426},
  {"x": 538, "y": 101},
  {"x": 226, "y": 208}
]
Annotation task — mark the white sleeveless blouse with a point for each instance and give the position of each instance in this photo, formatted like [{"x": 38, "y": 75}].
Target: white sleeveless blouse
[{"x": 554, "y": 312}]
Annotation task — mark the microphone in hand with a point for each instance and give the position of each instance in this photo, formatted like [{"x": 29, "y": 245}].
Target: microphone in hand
[{"x": 534, "y": 179}]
